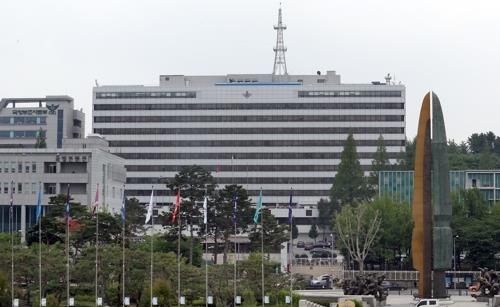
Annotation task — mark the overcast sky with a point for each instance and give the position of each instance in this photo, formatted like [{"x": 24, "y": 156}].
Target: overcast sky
[{"x": 449, "y": 46}]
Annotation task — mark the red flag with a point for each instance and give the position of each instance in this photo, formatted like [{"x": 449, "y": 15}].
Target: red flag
[{"x": 177, "y": 206}]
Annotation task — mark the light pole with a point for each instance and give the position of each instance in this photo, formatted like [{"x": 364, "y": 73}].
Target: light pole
[
  {"x": 455, "y": 261},
  {"x": 331, "y": 242}
]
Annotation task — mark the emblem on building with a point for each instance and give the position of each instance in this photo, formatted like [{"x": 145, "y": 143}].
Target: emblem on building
[
  {"x": 52, "y": 108},
  {"x": 247, "y": 94}
]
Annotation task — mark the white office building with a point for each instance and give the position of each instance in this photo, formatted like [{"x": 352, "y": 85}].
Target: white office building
[
  {"x": 83, "y": 164},
  {"x": 272, "y": 131},
  {"x": 23, "y": 119}
]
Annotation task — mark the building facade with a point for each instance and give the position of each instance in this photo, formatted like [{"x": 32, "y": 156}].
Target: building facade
[
  {"x": 83, "y": 164},
  {"x": 398, "y": 185},
  {"x": 248, "y": 130},
  {"x": 54, "y": 117}
]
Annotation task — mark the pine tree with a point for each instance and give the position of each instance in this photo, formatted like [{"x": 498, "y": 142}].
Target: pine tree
[
  {"x": 379, "y": 163},
  {"x": 349, "y": 185}
]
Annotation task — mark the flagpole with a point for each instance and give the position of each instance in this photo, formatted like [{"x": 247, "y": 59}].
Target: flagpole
[
  {"x": 39, "y": 243},
  {"x": 178, "y": 252},
  {"x": 262, "y": 251},
  {"x": 123, "y": 248},
  {"x": 290, "y": 258},
  {"x": 67, "y": 247},
  {"x": 152, "y": 237},
  {"x": 206, "y": 250},
  {"x": 96, "y": 246},
  {"x": 235, "y": 250},
  {"x": 11, "y": 227}
]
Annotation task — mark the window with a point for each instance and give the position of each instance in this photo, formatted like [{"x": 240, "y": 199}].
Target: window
[
  {"x": 309, "y": 212},
  {"x": 13, "y": 167},
  {"x": 19, "y": 167},
  {"x": 6, "y": 167},
  {"x": 19, "y": 188},
  {"x": 27, "y": 168},
  {"x": 33, "y": 188},
  {"x": 6, "y": 188},
  {"x": 50, "y": 188},
  {"x": 33, "y": 167}
]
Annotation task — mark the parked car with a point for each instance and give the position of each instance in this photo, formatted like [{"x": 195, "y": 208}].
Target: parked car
[
  {"x": 321, "y": 253},
  {"x": 300, "y": 244},
  {"x": 322, "y": 244},
  {"x": 308, "y": 246},
  {"x": 388, "y": 285}
]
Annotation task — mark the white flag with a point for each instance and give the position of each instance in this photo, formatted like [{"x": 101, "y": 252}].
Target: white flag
[
  {"x": 150, "y": 209},
  {"x": 205, "y": 217}
]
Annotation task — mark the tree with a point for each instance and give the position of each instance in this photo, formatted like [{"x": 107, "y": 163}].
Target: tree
[
  {"x": 223, "y": 218},
  {"x": 274, "y": 233},
  {"x": 325, "y": 215},
  {"x": 40, "y": 139},
  {"x": 313, "y": 232},
  {"x": 194, "y": 183},
  {"x": 394, "y": 237},
  {"x": 379, "y": 163},
  {"x": 406, "y": 160},
  {"x": 349, "y": 185},
  {"x": 357, "y": 227}
]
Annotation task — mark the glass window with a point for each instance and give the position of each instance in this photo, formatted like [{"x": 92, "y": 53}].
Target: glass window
[
  {"x": 6, "y": 188},
  {"x": 33, "y": 167},
  {"x": 19, "y": 187},
  {"x": 6, "y": 167},
  {"x": 27, "y": 168},
  {"x": 13, "y": 167},
  {"x": 19, "y": 167}
]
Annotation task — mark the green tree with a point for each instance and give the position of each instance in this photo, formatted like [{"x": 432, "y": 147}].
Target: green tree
[
  {"x": 194, "y": 182},
  {"x": 394, "y": 237},
  {"x": 223, "y": 218},
  {"x": 313, "y": 232},
  {"x": 406, "y": 160},
  {"x": 325, "y": 215},
  {"x": 349, "y": 185},
  {"x": 274, "y": 233},
  {"x": 40, "y": 139},
  {"x": 379, "y": 163},
  {"x": 357, "y": 227}
]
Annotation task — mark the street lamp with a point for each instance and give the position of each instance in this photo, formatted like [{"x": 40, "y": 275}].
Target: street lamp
[{"x": 455, "y": 261}]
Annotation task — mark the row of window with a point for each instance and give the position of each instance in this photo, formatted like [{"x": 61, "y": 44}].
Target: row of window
[
  {"x": 247, "y": 143},
  {"x": 23, "y": 120},
  {"x": 265, "y": 193},
  {"x": 14, "y": 134},
  {"x": 286, "y": 130},
  {"x": 242, "y": 156},
  {"x": 249, "y": 118},
  {"x": 19, "y": 188},
  {"x": 128, "y": 95},
  {"x": 249, "y": 180},
  {"x": 18, "y": 167},
  {"x": 349, "y": 93},
  {"x": 249, "y": 106}
]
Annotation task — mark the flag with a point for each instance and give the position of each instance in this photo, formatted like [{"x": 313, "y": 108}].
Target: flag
[
  {"x": 95, "y": 205},
  {"x": 205, "y": 217},
  {"x": 11, "y": 196},
  {"x": 258, "y": 208},
  {"x": 177, "y": 206},
  {"x": 122, "y": 210},
  {"x": 150, "y": 208},
  {"x": 290, "y": 216},
  {"x": 39, "y": 203},
  {"x": 67, "y": 205}
]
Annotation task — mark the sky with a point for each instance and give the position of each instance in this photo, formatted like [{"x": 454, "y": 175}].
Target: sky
[{"x": 452, "y": 47}]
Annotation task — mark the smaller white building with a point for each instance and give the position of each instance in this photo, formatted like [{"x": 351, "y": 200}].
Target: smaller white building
[{"x": 83, "y": 164}]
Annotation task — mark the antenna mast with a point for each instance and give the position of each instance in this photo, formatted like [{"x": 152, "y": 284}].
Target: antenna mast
[{"x": 279, "y": 69}]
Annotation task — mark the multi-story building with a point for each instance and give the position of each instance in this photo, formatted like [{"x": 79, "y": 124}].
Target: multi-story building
[
  {"x": 398, "y": 185},
  {"x": 22, "y": 120},
  {"x": 83, "y": 164},
  {"x": 274, "y": 132},
  {"x": 248, "y": 129}
]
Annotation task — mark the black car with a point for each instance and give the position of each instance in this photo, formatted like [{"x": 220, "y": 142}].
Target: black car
[
  {"x": 300, "y": 244},
  {"x": 322, "y": 244},
  {"x": 389, "y": 285}
]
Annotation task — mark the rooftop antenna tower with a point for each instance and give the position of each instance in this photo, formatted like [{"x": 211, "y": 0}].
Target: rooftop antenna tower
[{"x": 279, "y": 69}]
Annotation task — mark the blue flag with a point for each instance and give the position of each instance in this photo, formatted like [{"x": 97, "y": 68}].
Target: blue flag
[
  {"x": 258, "y": 208},
  {"x": 290, "y": 216},
  {"x": 122, "y": 210},
  {"x": 39, "y": 203}
]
